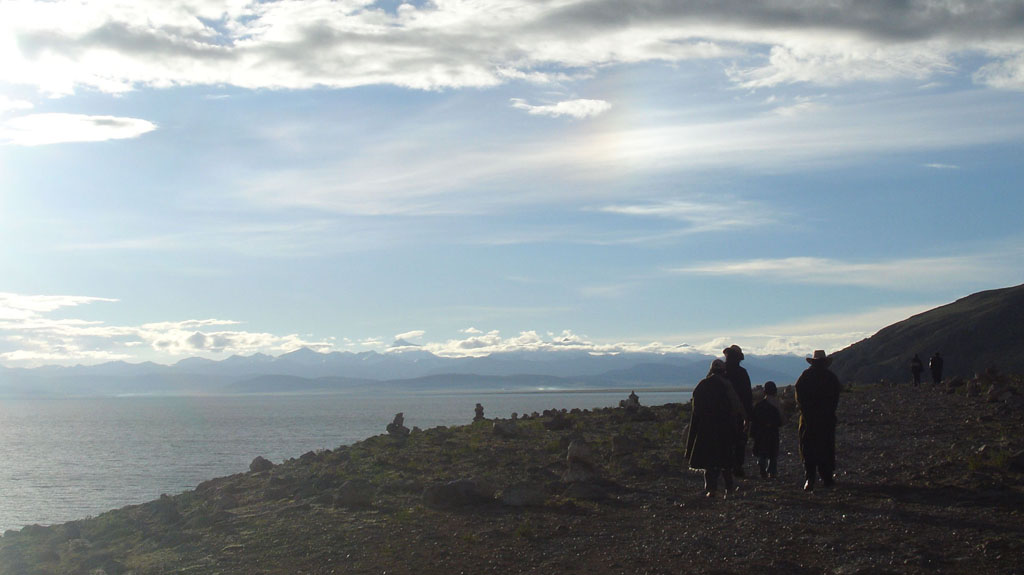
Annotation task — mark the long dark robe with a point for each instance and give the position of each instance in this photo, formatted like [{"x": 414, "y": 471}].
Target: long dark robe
[
  {"x": 711, "y": 436},
  {"x": 817, "y": 396},
  {"x": 740, "y": 380}
]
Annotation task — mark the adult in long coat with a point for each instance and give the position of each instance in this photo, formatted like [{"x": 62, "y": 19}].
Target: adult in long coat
[
  {"x": 711, "y": 436},
  {"x": 817, "y": 396},
  {"x": 740, "y": 379}
]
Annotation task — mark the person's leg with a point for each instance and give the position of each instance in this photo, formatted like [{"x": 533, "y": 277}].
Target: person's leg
[
  {"x": 730, "y": 486},
  {"x": 710, "y": 481},
  {"x": 809, "y": 471},
  {"x": 762, "y": 465},
  {"x": 827, "y": 474},
  {"x": 740, "y": 454},
  {"x": 773, "y": 465}
]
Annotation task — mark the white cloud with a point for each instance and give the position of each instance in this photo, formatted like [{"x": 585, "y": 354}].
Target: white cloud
[
  {"x": 414, "y": 334},
  {"x": 29, "y": 335},
  {"x": 1005, "y": 74},
  {"x": 909, "y": 273},
  {"x": 483, "y": 344},
  {"x": 116, "y": 46},
  {"x": 702, "y": 215},
  {"x": 42, "y": 129},
  {"x": 830, "y": 332},
  {"x": 8, "y": 105},
  {"x": 938, "y": 166},
  {"x": 578, "y": 109}
]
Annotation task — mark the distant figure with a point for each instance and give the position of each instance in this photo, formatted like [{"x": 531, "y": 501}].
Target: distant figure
[
  {"x": 741, "y": 385},
  {"x": 915, "y": 369},
  {"x": 764, "y": 426},
  {"x": 711, "y": 436},
  {"x": 817, "y": 396},
  {"x": 478, "y": 413},
  {"x": 935, "y": 365}
]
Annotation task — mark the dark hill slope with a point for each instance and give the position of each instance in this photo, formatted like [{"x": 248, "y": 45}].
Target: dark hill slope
[{"x": 982, "y": 330}]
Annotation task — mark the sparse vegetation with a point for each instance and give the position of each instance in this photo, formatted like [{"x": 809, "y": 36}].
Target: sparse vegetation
[{"x": 937, "y": 466}]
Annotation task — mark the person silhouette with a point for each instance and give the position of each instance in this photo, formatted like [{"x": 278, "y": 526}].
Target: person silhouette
[
  {"x": 817, "y": 396},
  {"x": 710, "y": 437},
  {"x": 915, "y": 369},
  {"x": 740, "y": 379},
  {"x": 935, "y": 366}
]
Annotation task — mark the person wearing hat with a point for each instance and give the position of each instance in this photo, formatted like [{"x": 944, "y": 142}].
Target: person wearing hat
[
  {"x": 740, "y": 380},
  {"x": 764, "y": 427},
  {"x": 711, "y": 435},
  {"x": 817, "y": 396}
]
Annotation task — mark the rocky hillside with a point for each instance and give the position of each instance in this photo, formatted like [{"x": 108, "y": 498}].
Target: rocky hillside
[
  {"x": 930, "y": 480},
  {"x": 973, "y": 334}
]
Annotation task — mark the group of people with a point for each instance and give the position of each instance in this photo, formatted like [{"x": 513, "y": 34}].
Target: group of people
[
  {"x": 934, "y": 366},
  {"x": 724, "y": 416}
]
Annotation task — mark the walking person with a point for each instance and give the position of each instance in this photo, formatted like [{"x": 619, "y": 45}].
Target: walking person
[
  {"x": 817, "y": 396},
  {"x": 764, "y": 427},
  {"x": 711, "y": 436},
  {"x": 915, "y": 369},
  {"x": 740, "y": 379}
]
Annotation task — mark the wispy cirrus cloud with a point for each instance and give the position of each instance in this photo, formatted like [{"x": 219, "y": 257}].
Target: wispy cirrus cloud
[
  {"x": 43, "y": 129},
  {"x": 907, "y": 273},
  {"x": 578, "y": 109},
  {"x": 701, "y": 215}
]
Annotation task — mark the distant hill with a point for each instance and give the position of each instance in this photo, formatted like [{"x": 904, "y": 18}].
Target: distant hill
[{"x": 982, "y": 330}]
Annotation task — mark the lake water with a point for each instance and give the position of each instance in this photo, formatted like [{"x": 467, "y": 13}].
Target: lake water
[{"x": 66, "y": 459}]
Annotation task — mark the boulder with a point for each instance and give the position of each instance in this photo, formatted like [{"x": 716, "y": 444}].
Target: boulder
[
  {"x": 355, "y": 493},
  {"x": 260, "y": 464}
]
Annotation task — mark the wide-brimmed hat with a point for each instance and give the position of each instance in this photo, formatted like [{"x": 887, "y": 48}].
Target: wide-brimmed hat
[
  {"x": 820, "y": 357},
  {"x": 733, "y": 350}
]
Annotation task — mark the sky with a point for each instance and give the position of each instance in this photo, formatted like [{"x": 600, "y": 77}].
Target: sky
[{"x": 186, "y": 178}]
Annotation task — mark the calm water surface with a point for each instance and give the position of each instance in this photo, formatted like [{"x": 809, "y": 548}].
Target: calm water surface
[{"x": 65, "y": 459}]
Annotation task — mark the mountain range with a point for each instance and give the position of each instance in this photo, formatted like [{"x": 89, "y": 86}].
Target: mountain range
[
  {"x": 307, "y": 371},
  {"x": 974, "y": 333}
]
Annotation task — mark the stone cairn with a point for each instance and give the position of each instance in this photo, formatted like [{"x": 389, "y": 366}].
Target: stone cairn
[
  {"x": 631, "y": 403},
  {"x": 478, "y": 413},
  {"x": 397, "y": 427}
]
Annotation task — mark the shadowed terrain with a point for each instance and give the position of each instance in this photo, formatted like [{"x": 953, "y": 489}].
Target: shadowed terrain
[{"x": 930, "y": 480}]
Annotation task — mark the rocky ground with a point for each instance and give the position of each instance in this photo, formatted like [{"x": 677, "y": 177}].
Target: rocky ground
[{"x": 930, "y": 480}]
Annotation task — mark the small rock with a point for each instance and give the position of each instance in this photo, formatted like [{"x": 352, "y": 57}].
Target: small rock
[{"x": 580, "y": 460}]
